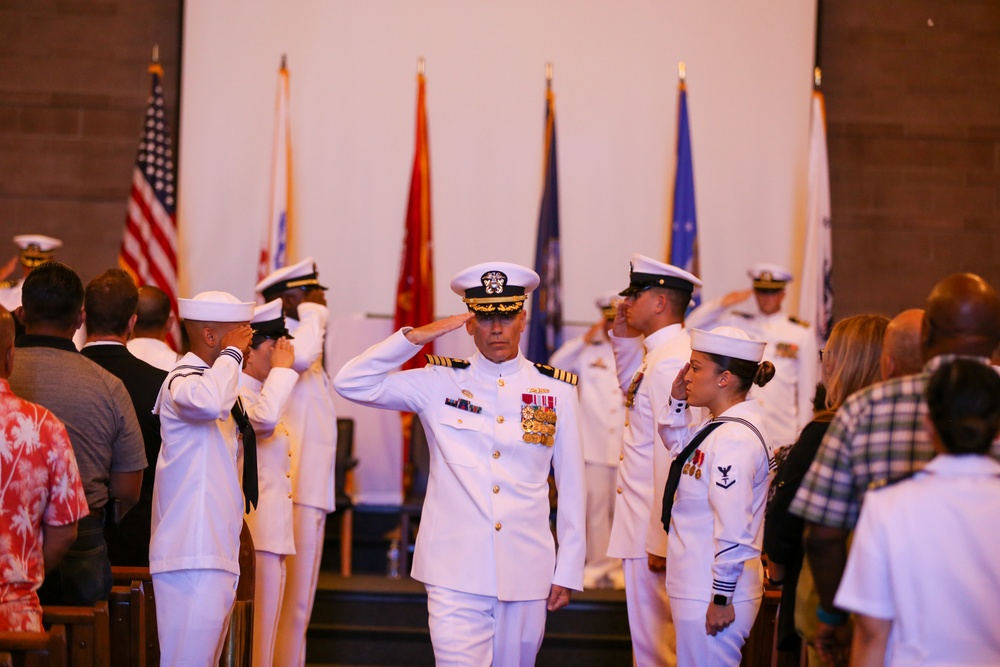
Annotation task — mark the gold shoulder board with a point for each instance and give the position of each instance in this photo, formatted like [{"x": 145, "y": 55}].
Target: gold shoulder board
[
  {"x": 564, "y": 376},
  {"x": 450, "y": 362},
  {"x": 795, "y": 320}
]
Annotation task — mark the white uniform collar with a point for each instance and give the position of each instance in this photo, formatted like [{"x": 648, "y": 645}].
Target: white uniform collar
[
  {"x": 251, "y": 383},
  {"x": 510, "y": 367},
  {"x": 963, "y": 464},
  {"x": 659, "y": 336}
]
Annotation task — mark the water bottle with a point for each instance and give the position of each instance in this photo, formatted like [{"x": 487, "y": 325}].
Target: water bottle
[{"x": 392, "y": 560}]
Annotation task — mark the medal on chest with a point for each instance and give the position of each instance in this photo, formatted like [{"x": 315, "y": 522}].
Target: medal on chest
[
  {"x": 538, "y": 419},
  {"x": 693, "y": 465},
  {"x": 633, "y": 386}
]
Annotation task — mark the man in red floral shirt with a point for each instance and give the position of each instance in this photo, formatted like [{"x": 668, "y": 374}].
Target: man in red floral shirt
[{"x": 41, "y": 496}]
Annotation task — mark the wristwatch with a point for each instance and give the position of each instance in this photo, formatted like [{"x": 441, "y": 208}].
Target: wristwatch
[{"x": 721, "y": 600}]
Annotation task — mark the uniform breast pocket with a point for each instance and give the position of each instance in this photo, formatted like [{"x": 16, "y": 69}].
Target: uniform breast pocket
[
  {"x": 459, "y": 437},
  {"x": 530, "y": 462}
]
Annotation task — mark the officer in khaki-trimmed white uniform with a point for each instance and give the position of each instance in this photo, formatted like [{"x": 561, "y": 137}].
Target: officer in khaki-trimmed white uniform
[
  {"x": 651, "y": 345},
  {"x": 34, "y": 249},
  {"x": 495, "y": 424},
  {"x": 791, "y": 345},
  {"x": 312, "y": 424}
]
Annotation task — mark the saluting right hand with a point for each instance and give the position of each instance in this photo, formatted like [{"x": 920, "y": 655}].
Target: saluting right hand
[
  {"x": 736, "y": 297},
  {"x": 428, "y": 332},
  {"x": 283, "y": 354},
  {"x": 678, "y": 390},
  {"x": 620, "y": 328},
  {"x": 239, "y": 338}
]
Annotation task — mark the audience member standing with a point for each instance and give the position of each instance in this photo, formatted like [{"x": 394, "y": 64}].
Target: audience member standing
[
  {"x": 41, "y": 496},
  {"x": 197, "y": 500},
  {"x": 650, "y": 346},
  {"x": 791, "y": 344},
  {"x": 879, "y": 435},
  {"x": 267, "y": 382},
  {"x": 602, "y": 422},
  {"x": 109, "y": 302},
  {"x": 901, "y": 353},
  {"x": 850, "y": 363},
  {"x": 923, "y": 573},
  {"x": 154, "y": 319},
  {"x": 312, "y": 424},
  {"x": 97, "y": 411}
]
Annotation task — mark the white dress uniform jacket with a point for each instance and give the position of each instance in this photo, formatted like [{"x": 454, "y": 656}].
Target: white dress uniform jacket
[
  {"x": 717, "y": 519},
  {"x": 602, "y": 403},
  {"x": 787, "y": 399},
  {"x": 485, "y": 524},
  {"x": 309, "y": 414},
  {"x": 197, "y": 499},
  {"x": 154, "y": 352},
  {"x": 925, "y": 555},
  {"x": 642, "y": 472},
  {"x": 10, "y": 296},
  {"x": 271, "y": 522}
]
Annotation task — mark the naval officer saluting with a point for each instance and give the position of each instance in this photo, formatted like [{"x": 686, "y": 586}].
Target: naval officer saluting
[{"x": 495, "y": 424}]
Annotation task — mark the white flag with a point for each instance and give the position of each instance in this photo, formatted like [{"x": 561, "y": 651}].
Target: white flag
[
  {"x": 274, "y": 242},
  {"x": 816, "y": 288}
]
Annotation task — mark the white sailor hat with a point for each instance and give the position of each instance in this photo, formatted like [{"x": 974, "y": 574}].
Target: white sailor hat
[
  {"x": 769, "y": 276},
  {"x": 268, "y": 322},
  {"x": 215, "y": 307},
  {"x": 36, "y": 248},
  {"x": 300, "y": 275},
  {"x": 607, "y": 302},
  {"x": 728, "y": 342},
  {"x": 645, "y": 272},
  {"x": 495, "y": 287}
]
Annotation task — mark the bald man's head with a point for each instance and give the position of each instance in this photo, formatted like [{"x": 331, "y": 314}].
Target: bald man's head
[
  {"x": 901, "y": 345},
  {"x": 963, "y": 317},
  {"x": 6, "y": 342}
]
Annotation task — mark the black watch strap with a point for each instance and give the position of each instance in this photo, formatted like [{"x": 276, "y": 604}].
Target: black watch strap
[{"x": 721, "y": 600}]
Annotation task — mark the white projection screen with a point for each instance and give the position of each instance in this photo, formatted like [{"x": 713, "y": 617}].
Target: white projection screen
[{"x": 353, "y": 95}]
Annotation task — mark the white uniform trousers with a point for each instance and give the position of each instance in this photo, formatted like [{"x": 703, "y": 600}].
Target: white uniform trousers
[
  {"x": 654, "y": 643},
  {"x": 269, "y": 581},
  {"x": 600, "y": 570},
  {"x": 697, "y": 648},
  {"x": 478, "y": 631},
  {"x": 193, "y": 608},
  {"x": 301, "y": 576}
]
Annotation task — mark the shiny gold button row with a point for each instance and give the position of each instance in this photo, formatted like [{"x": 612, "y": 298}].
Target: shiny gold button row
[
  {"x": 619, "y": 489},
  {"x": 496, "y": 489},
  {"x": 288, "y": 475},
  {"x": 501, "y": 383},
  {"x": 289, "y": 495},
  {"x": 498, "y": 526},
  {"x": 496, "y": 455},
  {"x": 621, "y": 457},
  {"x": 500, "y": 419}
]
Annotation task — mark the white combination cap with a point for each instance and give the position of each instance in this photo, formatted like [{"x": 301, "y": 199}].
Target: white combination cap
[
  {"x": 215, "y": 307},
  {"x": 728, "y": 342},
  {"x": 769, "y": 276},
  {"x": 300, "y": 274},
  {"x": 36, "y": 248},
  {"x": 495, "y": 287},
  {"x": 645, "y": 272},
  {"x": 607, "y": 302}
]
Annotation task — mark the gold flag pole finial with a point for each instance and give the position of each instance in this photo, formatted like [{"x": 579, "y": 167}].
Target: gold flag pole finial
[
  {"x": 284, "y": 61},
  {"x": 817, "y": 76},
  {"x": 420, "y": 66},
  {"x": 548, "y": 75},
  {"x": 682, "y": 71},
  {"x": 156, "y": 53}
]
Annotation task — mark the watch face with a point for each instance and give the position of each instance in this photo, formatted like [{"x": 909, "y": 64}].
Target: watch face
[{"x": 720, "y": 600}]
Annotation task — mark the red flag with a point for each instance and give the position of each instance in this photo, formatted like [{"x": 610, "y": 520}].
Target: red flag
[
  {"x": 149, "y": 243},
  {"x": 415, "y": 291}
]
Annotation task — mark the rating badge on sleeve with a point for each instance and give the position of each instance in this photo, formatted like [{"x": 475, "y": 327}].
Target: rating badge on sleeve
[{"x": 538, "y": 419}]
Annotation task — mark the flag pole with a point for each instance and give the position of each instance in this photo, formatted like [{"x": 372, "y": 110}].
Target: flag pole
[
  {"x": 818, "y": 77},
  {"x": 548, "y": 76},
  {"x": 156, "y": 53},
  {"x": 284, "y": 61},
  {"x": 420, "y": 66},
  {"x": 682, "y": 71}
]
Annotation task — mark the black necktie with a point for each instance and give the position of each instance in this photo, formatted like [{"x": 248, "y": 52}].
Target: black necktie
[
  {"x": 677, "y": 467},
  {"x": 250, "y": 488}
]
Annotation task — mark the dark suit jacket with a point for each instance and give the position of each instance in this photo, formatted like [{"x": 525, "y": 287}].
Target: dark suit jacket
[{"x": 128, "y": 542}]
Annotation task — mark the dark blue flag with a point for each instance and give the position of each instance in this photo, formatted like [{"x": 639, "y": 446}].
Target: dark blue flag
[
  {"x": 545, "y": 327},
  {"x": 684, "y": 229}
]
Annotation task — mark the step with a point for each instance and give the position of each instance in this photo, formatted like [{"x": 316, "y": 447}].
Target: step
[{"x": 375, "y": 620}]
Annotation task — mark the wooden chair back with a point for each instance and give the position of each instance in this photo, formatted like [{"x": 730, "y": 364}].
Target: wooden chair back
[
  {"x": 88, "y": 640},
  {"x": 238, "y": 648},
  {"x": 34, "y": 649},
  {"x": 127, "y": 608},
  {"x": 125, "y": 576}
]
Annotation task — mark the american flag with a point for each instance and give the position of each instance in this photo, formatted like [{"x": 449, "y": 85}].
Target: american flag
[
  {"x": 149, "y": 243},
  {"x": 274, "y": 243}
]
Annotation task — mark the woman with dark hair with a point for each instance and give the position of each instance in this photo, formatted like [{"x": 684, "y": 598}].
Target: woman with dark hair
[
  {"x": 713, "y": 503},
  {"x": 850, "y": 362},
  {"x": 923, "y": 566}
]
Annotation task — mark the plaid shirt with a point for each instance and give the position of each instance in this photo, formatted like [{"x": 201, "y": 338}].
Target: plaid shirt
[{"x": 877, "y": 435}]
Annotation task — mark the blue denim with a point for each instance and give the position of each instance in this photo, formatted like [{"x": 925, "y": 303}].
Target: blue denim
[{"x": 84, "y": 575}]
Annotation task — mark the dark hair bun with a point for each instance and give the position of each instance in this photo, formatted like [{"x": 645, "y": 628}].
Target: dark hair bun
[{"x": 764, "y": 373}]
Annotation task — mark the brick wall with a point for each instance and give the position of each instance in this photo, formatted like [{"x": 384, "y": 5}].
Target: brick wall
[
  {"x": 913, "y": 108},
  {"x": 913, "y": 104},
  {"x": 73, "y": 91}
]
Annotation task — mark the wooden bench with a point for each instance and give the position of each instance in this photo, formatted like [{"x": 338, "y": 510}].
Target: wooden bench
[
  {"x": 125, "y": 576},
  {"x": 34, "y": 649},
  {"x": 87, "y": 633},
  {"x": 127, "y": 608}
]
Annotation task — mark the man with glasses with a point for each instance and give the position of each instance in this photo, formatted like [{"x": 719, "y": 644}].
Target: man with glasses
[{"x": 650, "y": 346}]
